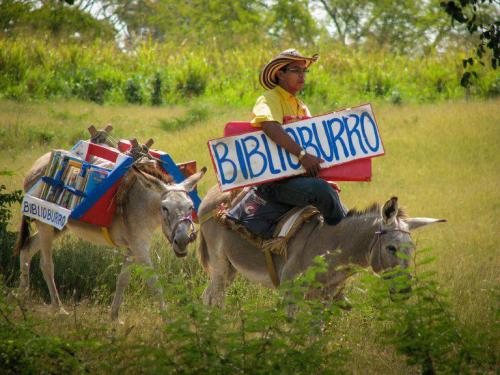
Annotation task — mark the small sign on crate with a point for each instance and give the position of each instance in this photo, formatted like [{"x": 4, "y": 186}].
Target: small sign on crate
[{"x": 46, "y": 212}]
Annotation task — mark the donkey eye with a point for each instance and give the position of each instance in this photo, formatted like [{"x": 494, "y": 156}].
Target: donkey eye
[
  {"x": 391, "y": 249},
  {"x": 164, "y": 209}
]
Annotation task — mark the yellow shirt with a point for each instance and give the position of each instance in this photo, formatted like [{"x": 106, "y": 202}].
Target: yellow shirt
[{"x": 278, "y": 105}]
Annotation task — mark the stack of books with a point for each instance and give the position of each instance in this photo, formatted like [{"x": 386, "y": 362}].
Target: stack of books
[{"x": 68, "y": 180}]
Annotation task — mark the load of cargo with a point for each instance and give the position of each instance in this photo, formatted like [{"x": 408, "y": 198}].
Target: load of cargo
[{"x": 80, "y": 184}]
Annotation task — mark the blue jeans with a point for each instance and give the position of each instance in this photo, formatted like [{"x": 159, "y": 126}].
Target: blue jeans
[{"x": 302, "y": 191}]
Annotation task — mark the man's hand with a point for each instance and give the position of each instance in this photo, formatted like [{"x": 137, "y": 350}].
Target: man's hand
[
  {"x": 311, "y": 164},
  {"x": 275, "y": 131}
]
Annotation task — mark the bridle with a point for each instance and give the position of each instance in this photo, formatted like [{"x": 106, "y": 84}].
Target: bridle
[
  {"x": 379, "y": 235},
  {"x": 185, "y": 219}
]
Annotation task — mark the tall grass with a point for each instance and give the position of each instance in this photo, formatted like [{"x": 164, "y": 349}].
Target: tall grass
[{"x": 101, "y": 72}]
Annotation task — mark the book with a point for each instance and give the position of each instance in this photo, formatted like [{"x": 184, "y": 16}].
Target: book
[
  {"x": 55, "y": 191},
  {"x": 95, "y": 176},
  {"x": 49, "y": 172}
]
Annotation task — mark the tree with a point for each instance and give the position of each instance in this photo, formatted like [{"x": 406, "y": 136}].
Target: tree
[
  {"x": 195, "y": 21},
  {"x": 481, "y": 18},
  {"x": 56, "y": 18},
  {"x": 291, "y": 21},
  {"x": 403, "y": 26}
]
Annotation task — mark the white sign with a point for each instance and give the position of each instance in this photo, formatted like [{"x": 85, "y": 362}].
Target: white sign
[
  {"x": 337, "y": 138},
  {"x": 44, "y": 211}
]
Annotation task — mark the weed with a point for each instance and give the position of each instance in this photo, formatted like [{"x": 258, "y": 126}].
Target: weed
[{"x": 133, "y": 91}]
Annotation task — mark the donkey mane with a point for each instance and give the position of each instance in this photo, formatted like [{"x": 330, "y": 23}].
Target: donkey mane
[
  {"x": 374, "y": 211},
  {"x": 149, "y": 168}
]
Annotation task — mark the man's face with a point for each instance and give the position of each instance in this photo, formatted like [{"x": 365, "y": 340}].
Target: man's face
[{"x": 293, "y": 77}]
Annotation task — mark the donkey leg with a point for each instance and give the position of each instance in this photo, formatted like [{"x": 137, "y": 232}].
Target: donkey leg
[
  {"x": 46, "y": 235},
  {"x": 25, "y": 256},
  {"x": 121, "y": 284},
  {"x": 153, "y": 283},
  {"x": 222, "y": 274}
]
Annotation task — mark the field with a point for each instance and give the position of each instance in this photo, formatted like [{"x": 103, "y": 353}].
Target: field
[{"x": 441, "y": 161}]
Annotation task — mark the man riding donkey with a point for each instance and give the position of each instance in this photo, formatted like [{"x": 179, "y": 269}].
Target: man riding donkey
[
  {"x": 293, "y": 238},
  {"x": 284, "y": 77}
]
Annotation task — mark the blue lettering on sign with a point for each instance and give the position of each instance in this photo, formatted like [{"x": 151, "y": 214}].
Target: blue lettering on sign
[
  {"x": 272, "y": 169},
  {"x": 26, "y": 207},
  {"x": 282, "y": 158},
  {"x": 353, "y": 131},
  {"x": 223, "y": 159},
  {"x": 306, "y": 138},
  {"x": 291, "y": 163},
  {"x": 254, "y": 152},
  {"x": 241, "y": 160},
  {"x": 365, "y": 115},
  {"x": 327, "y": 157},
  {"x": 337, "y": 137}
]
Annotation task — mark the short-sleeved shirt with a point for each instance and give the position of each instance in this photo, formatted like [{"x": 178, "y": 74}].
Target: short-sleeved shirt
[{"x": 278, "y": 105}]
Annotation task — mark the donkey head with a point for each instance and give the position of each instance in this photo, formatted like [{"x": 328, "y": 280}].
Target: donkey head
[
  {"x": 393, "y": 237},
  {"x": 176, "y": 210}
]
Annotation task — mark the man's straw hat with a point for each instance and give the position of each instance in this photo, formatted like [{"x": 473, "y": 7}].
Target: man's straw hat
[{"x": 268, "y": 75}]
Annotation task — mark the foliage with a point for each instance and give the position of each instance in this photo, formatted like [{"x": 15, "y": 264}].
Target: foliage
[
  {"x": 9, "y": 264},
  {"x": 54, "y": 18},
  {"x": 156, "y": 95},
  {"x": 421, "y": 324},
  {"x": 479, "y": 17},
  {"x": 133, "y": 91},
  {"x": 81, "y": 271},
  {"x": 240, "y": 338},
  {"x": 37, "y": 69},
  {"x": 400, "y": 26},
  {"x": 23, "y": 351}
]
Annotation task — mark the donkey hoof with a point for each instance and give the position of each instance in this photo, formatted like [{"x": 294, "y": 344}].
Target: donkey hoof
[
  {"x": 62, "y": 312},
  {"x": 117, "y": 322}
]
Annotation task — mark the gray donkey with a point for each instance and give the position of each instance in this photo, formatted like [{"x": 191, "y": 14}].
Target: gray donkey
[
  {"x": 368, "y": 238},
  {"x": 145, "y": 201}
]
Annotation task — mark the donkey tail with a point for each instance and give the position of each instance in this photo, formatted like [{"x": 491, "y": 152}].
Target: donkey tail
[
  {"x": 203, "y": 252},
  {"x": 23, "y": 236}
]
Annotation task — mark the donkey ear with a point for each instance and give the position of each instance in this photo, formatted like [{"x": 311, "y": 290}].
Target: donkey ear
[
  {"x": 190, "y": 183},
  {"x": 390, "y": 210},
  {"x": 417, "y": 222},
  {"x": 149, "y": 182}
]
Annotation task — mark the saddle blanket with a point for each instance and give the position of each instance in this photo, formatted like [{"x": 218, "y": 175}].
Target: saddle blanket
[{"x": 267, "y": 225}]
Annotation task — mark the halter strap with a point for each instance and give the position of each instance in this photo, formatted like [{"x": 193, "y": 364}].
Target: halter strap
[
  {"x": 188, "y": 218},
  {"x": 380, "y": 233}
]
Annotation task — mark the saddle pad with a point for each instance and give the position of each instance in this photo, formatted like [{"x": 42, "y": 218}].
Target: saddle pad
[
  {"x": 257, "y": 215},
  {"x": 266, "y": 225}
]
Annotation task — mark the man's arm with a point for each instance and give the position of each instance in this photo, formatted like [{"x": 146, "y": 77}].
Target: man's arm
[{"x": 274, "y": 131}]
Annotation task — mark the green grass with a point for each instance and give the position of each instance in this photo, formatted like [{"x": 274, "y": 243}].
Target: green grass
[{"x": 441, "y": 161}]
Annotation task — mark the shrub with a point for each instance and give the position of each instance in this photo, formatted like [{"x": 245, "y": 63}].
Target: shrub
[
  {"x": 133, "y": 91},
  {"x": 240, "y": 338},
  {"x": 156, "y": 95},
  {"x": 192, "y": 81},
  {"x": 81, "y": 270},
  {"x": 24, "y": 352},
  {"x": 421, "y": 325},
  {"x": 9, "y": 265}
]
